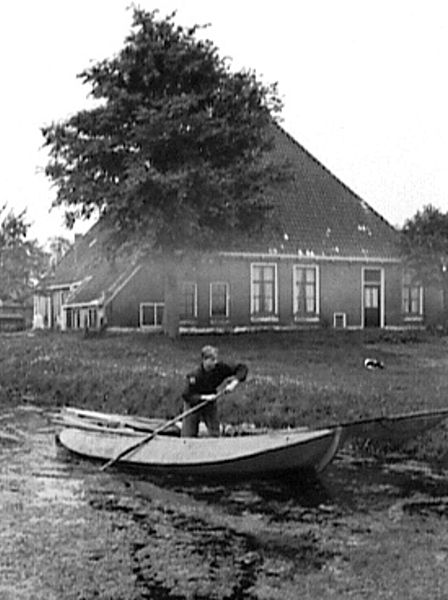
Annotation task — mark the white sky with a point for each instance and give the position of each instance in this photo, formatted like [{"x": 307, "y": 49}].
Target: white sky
[{"x": 364, "y": 84}]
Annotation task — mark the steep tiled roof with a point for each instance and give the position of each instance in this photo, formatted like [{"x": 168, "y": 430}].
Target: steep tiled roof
[
  {"x": 320, "y": 215},
  {"x": 86, "y": 265},
  {"x": 103, "y": 285}
]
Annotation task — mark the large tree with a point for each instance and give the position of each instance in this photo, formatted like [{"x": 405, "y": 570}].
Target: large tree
[
  {"x": 425, "y": 248},
  {"x": 174, "y": 153},
  {"x": 22, "y": 261}
]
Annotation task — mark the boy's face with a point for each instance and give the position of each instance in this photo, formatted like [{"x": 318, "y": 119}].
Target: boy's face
[{"x": 209, "y": 362}]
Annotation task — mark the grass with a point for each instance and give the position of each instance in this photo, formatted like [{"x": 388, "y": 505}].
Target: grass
[{"x": 311, "y": 378}]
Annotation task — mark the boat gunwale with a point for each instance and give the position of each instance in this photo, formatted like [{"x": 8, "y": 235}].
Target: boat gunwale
[
  {"x": 439, "y": 412},
  {"x": 327, "y": 455}
]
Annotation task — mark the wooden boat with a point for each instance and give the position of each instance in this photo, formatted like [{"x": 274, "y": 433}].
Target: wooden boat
[
  {"x": 246, "y": 455},
  {"x": 393, "y": 428}
]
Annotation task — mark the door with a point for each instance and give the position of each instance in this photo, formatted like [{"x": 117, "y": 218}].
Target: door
[
  {"x": 372, "y": 305},
  {"x": 372, "y": 297}
]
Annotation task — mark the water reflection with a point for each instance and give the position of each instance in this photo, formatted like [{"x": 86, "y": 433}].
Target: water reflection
[
  {"x": 348, "y": 485},
  {"x": 367, "y": 485}
]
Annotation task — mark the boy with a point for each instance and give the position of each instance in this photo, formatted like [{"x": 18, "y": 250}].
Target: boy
[{"x": 203, "y": 384}]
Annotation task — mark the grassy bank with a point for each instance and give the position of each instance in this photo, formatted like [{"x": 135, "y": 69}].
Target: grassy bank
[{"x": 311, "y": 378}]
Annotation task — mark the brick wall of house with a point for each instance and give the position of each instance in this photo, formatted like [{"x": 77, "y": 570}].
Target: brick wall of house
[
  {"x": 340, "y": 289},
  {"x": 340, "y": 286},
  {"x": 393, "y": 284},
  {"x": 145, "y": 286}
]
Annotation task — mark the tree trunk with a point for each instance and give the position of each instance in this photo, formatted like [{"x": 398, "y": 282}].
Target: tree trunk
[
  {"x": 444, "y": 299},
  {"x": 171, "y": 298}
]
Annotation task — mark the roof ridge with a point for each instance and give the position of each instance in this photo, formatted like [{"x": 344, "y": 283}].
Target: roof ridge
[{"x": 327, "y": 170}]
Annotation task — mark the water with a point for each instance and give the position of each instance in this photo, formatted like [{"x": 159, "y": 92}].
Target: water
[
  {"x": 362, "y": 484},
  {"x": 178, "y": 539}
]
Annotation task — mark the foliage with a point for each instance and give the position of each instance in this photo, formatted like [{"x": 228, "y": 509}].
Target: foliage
[
  {"x": 174, "y": 150},
  {"x": 22, "y": 261},
  {"x": 425, "y": 246}
]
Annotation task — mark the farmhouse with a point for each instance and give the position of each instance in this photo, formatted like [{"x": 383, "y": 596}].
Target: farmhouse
[{"x": 335, "y": 263}]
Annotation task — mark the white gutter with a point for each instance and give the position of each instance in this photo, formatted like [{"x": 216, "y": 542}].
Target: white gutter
[
  {"x": 312, "y": 257},
  {"x": 97, "y": 302},
  {"x": 123, "y": 284},
  {"x": 57, "y": 286}
]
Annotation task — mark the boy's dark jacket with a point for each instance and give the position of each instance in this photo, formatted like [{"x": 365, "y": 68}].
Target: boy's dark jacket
[{"x": 201, "y": 382}]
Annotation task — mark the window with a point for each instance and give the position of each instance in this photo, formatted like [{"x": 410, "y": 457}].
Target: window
[
  {"x": 339, "y": 320},
  {"x": 371, "y": 297},
  {"x": 57, "y": 300},
  {"x": 372, "y": 276},
  {"x": 69, "y": 318},
  {"x": 81, "y": 317},
  {"x": 188, "y": 301},
  {"x": 264, "y": 291},
  {"x": 219, "y": 300},
  {"x": 72, "y": 318},
  {"x": 93, "y": 318},
  {"x": 151, "y": 314},
  {"x": 412, "y": 297},
  {"x": 306, "y": 299}
]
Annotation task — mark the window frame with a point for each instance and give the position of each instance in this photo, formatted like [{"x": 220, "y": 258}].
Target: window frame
[
  {"x": 301, "y": 316},
  {"x": 226, "y": 316},
  {"x": 156, "y": 305},
  {"x": 410, "y": 315},
  {"x": 184, "y": 318},
  {"x": 264, "y": 317},
  {"x": 93, "y": 317},
  {"x": 379, "y": 282},
  {"x": 343, "y": 316}
]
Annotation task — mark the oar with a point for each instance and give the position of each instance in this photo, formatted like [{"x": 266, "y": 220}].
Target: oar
[{"x": 152, "y": 435}]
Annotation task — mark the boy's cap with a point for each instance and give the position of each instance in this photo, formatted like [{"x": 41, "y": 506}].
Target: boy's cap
[{"x": 209, "y": 352}]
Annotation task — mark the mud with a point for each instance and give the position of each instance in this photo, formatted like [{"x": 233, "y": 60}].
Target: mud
[{"x": 363, "y": 529}]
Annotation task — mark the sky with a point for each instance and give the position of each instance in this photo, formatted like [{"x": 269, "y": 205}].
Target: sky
[{"x": 364, "y": 85}]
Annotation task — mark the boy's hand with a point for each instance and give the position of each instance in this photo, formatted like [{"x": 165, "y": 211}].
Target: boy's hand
[
  {"x": 231, "y": 385},
  {"x": 208, "y": 397}
]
